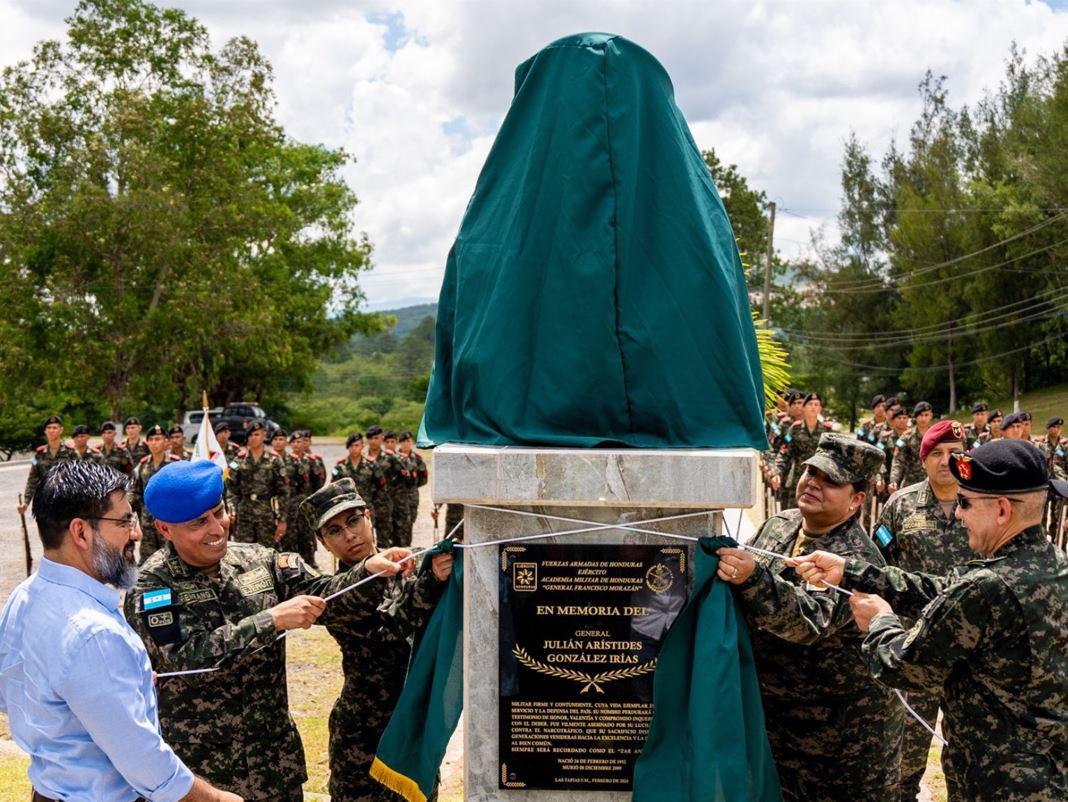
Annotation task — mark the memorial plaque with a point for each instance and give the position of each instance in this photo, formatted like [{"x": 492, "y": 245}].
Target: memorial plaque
[{"x": 580, "y": 631}]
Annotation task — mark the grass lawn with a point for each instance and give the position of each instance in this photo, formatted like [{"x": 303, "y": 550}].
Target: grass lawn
[{"x": 1042, "y": 404}]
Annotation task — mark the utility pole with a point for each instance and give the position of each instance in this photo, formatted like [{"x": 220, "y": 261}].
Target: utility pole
[{"x": 767, "y": 266}]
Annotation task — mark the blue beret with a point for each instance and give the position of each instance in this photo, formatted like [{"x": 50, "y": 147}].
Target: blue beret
[{"x": 181, "y": 491}]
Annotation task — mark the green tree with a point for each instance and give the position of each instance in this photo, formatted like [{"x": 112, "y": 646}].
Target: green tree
[{"x": 160, "y": 233}]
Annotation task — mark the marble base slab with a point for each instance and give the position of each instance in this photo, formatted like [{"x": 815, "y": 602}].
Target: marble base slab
[{"x": 596, "y": 477}]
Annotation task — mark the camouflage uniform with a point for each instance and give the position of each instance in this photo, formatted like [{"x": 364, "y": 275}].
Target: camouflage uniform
[
  {"x": 418, "y": 468},
  {"x": 151, "y": 539},
  {"x": 870, "y": 431},
  {"x": 403, "y": 488},
  {"x": 973, "y": 438},
  {"x": 138, "y": 451},
  {"x": 374, "y": 657},
  {"x": 118, "y": 458},
  {"x": 997, "y": 640},
  {"x": 835, "y": 734},
  {"x": 256, "y": 487},
  {"x": 381, "y": 498},
  {"x": 907, "y": 467},
  {"x": 798, "y": 444},
  {"x": 233, "y": 726},
  {"x": 1057, "y": 465},
  {"x": 300, "y": 536},
  {"x": 43, "y": 460},
  {"x": 89, "y": 455},
  {"x": 914, "y": 534},
  {"x": 181, "y": 453},
  {"x": 367, "y": 475}
]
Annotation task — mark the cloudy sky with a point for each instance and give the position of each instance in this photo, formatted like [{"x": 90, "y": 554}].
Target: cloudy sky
[{"x": 416, "y": 89}]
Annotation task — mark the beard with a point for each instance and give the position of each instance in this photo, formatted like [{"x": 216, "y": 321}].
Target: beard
[{"x": 114, "y": 566}]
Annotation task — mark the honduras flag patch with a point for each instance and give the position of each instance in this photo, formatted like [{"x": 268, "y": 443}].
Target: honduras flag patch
[
  {"x": 884, "y": 535},
  {"x": 156, "y": 598}
]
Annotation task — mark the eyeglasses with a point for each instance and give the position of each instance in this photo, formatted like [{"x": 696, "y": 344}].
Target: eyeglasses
[
  {"x": 351, "y": 525},
  {"x": 127, "y": 522},
  {"x": 965, "y": 502}
]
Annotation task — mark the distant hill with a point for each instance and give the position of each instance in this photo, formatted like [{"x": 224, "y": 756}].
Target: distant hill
[{"x": 409, "y": 317}]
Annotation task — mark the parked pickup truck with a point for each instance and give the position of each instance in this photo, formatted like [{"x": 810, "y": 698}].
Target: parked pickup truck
[
  {"x": 191, "y": 421},
  {"x": 238, "y": 416}
]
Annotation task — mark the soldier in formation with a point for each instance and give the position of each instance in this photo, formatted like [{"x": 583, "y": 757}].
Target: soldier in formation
[
  {"x": 1012, "y": 427},
  {"x": 368, "y": 477},
  {"x": 158, "y": 456},
  {"x": 381, "y": 500},
  {"x": 51, "y": 453},
  {"x": 375, "y": 649},
  {"x": 202, "y": 602},
  {"x": 112, "y": 453},
  {"x": 994, "y": 637},
  {"x": 176, "y": 443},
  {"x": 994, "y": 423},
  {"x": 835, "y": 735},
  {"x": 798, "y": 444},
  {"x": 918, "y": 531},
  {"x": 305, "y": 477},
  {"x": 133, "y": 441},
  {"x": 414, "y": 475},
  {"x": 80, "y": 450},
  {"x": 977, "y": 432},
  {"x": 222, "y": 435},
  {"x": 259, "y": 487},
  {"x": 906, "y": 468},
  {"x": 872, "y": 429}
]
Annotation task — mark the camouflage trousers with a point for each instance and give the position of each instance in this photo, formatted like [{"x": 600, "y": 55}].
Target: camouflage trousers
[
  {"x": 151, "y": 541},
  {"x": 255, "y": 523},
  {"x": 916, "y": 746},
  {"x": 300, "y": 534},
  {"x": 402, "y": 518},
  {"x": 382, "y": 509}
]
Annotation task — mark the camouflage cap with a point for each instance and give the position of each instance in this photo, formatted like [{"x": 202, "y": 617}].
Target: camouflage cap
[
  {"x": 845, "y": 459},
  {"x": 328, "y": 501}
]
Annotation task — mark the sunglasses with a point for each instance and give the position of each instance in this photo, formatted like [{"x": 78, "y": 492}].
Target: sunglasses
[{"x": 965, "y": 502}]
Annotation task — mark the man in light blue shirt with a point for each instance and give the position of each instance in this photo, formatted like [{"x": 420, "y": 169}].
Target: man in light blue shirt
[{"x": 75, "y": 680}]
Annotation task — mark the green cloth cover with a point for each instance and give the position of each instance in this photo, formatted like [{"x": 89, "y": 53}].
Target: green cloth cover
[
  {"x": 413, "y": 745},
  {"x": 707, "y": 741},
  {"x": 594, "y": 296}
]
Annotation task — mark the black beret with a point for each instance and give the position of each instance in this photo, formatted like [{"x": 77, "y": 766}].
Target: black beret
[
  {"x": 891, "y": 401},
  {"x": 132, "y": 419},
  {"x": 406, "y": 435},
  {"x": 296, "y": 435},
  {"x": 176, "y": 429},
  {"x": 1003, "y": 467},
  {"x": 795, "y": 395},
  {"x": 897, "y": 412},
  {"x": 979, "y": 406},
  {"x": 995, "y": 414},
  {"x": 305, "y": 433},
  {"x": 154, "y": 431},
  {"x": 876, "y": 400},
  {"x": 923, "y": 406},
  {"x": 391, "y": 435},
  {"x": 1024, "y": 415},
  {"x": 52, "y": 419},
  {"x": 107, "y": 426},
  {"x": 813, "y": 397},
  {"x": 1011, "y": 420},
  {"x": 222, "y": 426},
  {"x": 255, "y": 426},
  {"x": 373, "y": 431},
  {"x": 355, "y": 437},
  {"x": 1054, "y": 421},
  {"x": 81, "y": 428},
  {"x": 279, "y": 432}
]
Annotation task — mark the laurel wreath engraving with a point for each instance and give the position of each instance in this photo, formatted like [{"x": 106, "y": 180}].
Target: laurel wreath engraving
[{"x": 588, "y": 680}]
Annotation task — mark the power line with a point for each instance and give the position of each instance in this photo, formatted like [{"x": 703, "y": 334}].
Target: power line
[
  {"x": 949, "y": 335},
  {"x": 967, "y": 321},
  {"x": 796, "y": 212},
  {"x": 944, "y": 279},
  {"x": 937, "y": 368},
  {"x": 859, "y": 283}
]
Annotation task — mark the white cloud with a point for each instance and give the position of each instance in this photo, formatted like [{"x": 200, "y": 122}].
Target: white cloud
[{"x": 775, "y": 87}]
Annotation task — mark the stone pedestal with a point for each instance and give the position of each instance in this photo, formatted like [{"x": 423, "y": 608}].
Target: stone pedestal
[{"x": 609, "y": 486}]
